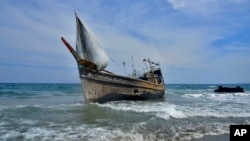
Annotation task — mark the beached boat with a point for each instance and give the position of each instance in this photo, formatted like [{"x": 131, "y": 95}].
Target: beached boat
[{"x": 100, "y": 85}]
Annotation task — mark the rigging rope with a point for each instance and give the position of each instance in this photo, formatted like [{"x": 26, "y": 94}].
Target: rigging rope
[{"x": 118, "y": 66}]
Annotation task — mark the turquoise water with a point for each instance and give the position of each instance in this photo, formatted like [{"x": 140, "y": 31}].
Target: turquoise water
[{"x": 58, "y": 112}]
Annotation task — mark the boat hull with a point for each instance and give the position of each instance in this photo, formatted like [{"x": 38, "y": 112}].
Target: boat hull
[{"x": 103, "y": 87}]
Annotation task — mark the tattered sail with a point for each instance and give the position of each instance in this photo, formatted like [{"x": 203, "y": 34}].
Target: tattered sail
[{"x": 88, "y": 48}]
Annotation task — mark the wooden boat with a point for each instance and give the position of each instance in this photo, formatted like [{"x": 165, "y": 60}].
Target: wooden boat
[{"x": 100, "y": 85}]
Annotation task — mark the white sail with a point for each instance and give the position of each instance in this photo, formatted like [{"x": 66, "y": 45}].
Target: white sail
[{"x": 88, "y": 47}]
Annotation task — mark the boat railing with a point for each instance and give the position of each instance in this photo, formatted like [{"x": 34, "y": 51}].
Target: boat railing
[{"x": 152, "y": 66}]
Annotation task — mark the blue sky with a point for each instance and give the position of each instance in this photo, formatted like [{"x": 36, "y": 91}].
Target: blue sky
[{"x": 195, "y": 41}]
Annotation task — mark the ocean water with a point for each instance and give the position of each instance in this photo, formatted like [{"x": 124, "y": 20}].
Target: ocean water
[{"x": 57, "y": 112}]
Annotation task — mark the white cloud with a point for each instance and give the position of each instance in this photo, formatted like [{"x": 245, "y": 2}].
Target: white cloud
[
  {"x": 33, "y": 36},
  {"x": 199, "y": 4},
  {"x": 183, "y": 39}
]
